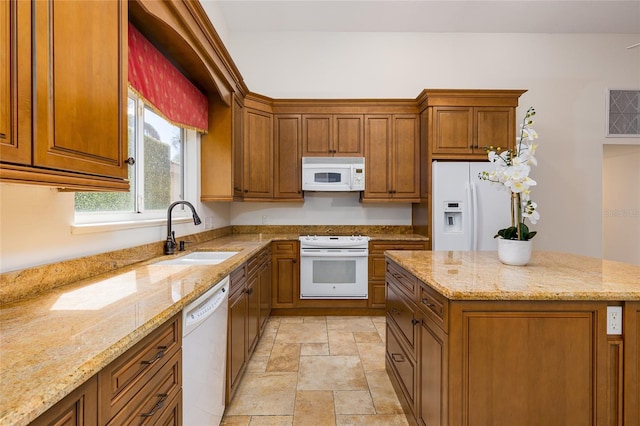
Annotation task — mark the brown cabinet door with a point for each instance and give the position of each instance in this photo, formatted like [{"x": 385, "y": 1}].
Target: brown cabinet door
[
  {"x": 236, "y": 340},
  {"x": 253, "y": 306},
  {"x": 378, "y": 156},
  {"x": 264, "y": 278},
  {"x": 431, "y": 410},
  {"x": 494, "y": 127},
  {"x": 285, "y": 275},
  {"x": 316, "y": 135},
  {"x": 348, "y": 135},
  {"x": 258, "y": 154},
  {"x": 237, "y": 126},
  {"x": 631, "y": 328},
  {"x": 452, "y": 129},
  {"x": 287, "y": 156},
  {"x": 15, "y": 82},
  {"x": 78, "y": 408},
  {"x": 80, "y": 117},
  {"x": 406, "y": 158}
]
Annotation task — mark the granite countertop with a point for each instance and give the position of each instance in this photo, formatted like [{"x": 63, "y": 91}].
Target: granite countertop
[
  {"x": 53, "y": 341},
  {"x": 459, "y": 275}
]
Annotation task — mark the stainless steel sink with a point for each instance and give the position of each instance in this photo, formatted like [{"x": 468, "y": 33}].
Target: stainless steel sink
[{"x": 199, "y": 258}]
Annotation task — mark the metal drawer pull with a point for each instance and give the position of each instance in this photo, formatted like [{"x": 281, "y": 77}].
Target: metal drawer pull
[
  {"x": 397, "y": 357},
  {"x": 414, "y": 321},
  {"x": 160, "y": 354},
  {"x": 395, "y": 310},
  {"x": 249, "y": 291},
  {"x": 426, "y": 302},
  {"x": 163, "y": 397}
]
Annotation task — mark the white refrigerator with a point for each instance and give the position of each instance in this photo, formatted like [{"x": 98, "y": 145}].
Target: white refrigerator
[{"x": 466, "y": 211}]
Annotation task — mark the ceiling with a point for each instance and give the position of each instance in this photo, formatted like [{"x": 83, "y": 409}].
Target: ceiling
[{"x": 471, "y": 16}]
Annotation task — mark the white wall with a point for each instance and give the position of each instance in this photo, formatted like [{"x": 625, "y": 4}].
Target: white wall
[
  {"x": 566, "y": 76},
  {"x": 621, "y": 206}
]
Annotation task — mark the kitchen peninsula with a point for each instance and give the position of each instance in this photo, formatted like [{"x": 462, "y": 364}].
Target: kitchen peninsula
[{"x": 472, "y": 342}]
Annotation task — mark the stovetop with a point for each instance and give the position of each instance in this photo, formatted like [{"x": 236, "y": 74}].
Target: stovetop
[{"x": 333, "y": 241}]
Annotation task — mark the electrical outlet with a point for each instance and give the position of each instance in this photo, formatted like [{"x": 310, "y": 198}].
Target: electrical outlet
[
  {"x": 208, "y": 222},
  {"x": 614, "y": 319},
  {"x": 264, "y": 220}
]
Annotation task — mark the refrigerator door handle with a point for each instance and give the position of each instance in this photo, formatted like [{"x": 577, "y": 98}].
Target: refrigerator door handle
[
  {"x": 470, "y": 215},
  {"x": 474, "y": 215}
]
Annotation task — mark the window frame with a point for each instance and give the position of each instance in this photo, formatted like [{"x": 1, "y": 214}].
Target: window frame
[{"x": 86, "y": 222}]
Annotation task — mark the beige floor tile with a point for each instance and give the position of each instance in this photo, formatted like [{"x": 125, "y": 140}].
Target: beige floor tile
[
  {"x": 342, "y": 343},
  {"x": 372, "y": 355},
  {"x": 314, "y": 408},
  {"x": 307, "y": 349},
  {"x": 372, "y": 420},
  {"x": 353, "y": 402},
  {"x": 379, "y": 319},
  {"x": 264, "y": 394},
  {"x": 291, "y": 320},
  {"x": 271, "y": 421},
  {"x": 235, "y": 421},
  {"x": 381, "y": 328},
  {"x": 302, "y": 333},
  {"x": 284, "y": 357},
  {"x": 258, "y": 363},
  {"x": 367, "y": 336},
  {"x": 265, "y": 344},
  {"x": 350, "y": 323},
  {"x": 318, "y": 318},
  {"x": 331, "y": 373},
  {"x": 384, "y": 396}
]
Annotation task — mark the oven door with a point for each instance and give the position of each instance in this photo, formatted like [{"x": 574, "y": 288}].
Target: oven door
[
  {"x": 326, "y": 178},
  {"x": 334, "y": 273}
]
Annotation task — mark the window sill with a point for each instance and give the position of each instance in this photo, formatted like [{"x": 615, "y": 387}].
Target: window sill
[{"x": 90, "y": 228}]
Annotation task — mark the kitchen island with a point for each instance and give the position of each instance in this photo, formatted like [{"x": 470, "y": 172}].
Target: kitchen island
[{"x": 473, "y": 342}]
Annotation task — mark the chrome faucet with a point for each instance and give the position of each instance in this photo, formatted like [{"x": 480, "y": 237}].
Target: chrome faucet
[{"x": 170, "y": 244}]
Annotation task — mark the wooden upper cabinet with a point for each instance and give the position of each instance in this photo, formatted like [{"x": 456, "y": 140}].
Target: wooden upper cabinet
[
  {"x": 461, "y": 123},
  {"x": 238, "y": 147},
  {"x": 77, "y": 109},
  {"x": 332, "y": 135},
  {"x": 80, "y": 121},
  {"x": 258, "y": 154},
  {"x": 15, "y": 87},
  {"x": 392, "y": 158},
  {"x": 287, "y": 157}
]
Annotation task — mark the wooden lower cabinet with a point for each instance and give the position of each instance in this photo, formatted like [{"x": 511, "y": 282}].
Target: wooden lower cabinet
[
  {"x": 377, "y": 267},
  {"x": 76, "y": 409},
  {"x": 510, "y": 362},
  {"x": 247, "y": 315},
  {"x": 285, "y": 274}
]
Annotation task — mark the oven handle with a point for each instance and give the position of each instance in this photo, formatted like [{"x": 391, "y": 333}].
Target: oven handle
[{"x": 334, "y": 253}]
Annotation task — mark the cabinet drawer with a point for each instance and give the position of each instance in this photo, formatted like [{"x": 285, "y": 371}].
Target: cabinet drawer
[
  {"x": 254, "y": 263},
  {"x": 402, "y": 279},
  {"x": 381, "y": 247},
  {"x": 237, "y": 278},
  {"x": 285, "y": 247},
  {"x": 434, "y": 305},
  {"x": 400, "y": 311},
  {"x": 148, "y": 405},
  {"x": 402, "y": 365},
  {"x": 121, "y": 380}
]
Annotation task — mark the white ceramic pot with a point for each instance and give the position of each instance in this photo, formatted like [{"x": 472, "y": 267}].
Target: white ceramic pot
[{"x": 514, "y": 252}]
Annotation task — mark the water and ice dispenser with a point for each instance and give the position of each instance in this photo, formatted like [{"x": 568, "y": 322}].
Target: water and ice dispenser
[{"x": 452, "y": 216}]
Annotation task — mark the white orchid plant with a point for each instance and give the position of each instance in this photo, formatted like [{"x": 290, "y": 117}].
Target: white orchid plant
[{"x": 512, "y": 170}]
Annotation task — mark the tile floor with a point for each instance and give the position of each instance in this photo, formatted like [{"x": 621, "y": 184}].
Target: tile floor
[{"x": 317, "y": 371}]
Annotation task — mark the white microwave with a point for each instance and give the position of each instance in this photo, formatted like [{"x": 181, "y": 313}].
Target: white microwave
[{"x": 333, "y": 173}]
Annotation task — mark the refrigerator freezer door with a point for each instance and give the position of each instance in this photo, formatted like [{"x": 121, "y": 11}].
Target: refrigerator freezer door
[
  {"x": 451, "y": 220},
  {"x": 493, "y": 212}
]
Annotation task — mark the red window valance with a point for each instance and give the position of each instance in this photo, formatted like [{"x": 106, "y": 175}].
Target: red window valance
[{"x": 163, "y": 87}]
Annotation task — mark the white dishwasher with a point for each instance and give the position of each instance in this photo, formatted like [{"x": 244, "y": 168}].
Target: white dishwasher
[{"x": 204, "y": 352}]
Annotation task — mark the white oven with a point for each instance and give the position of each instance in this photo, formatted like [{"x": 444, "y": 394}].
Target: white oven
[{"x": 334, "y": 267}]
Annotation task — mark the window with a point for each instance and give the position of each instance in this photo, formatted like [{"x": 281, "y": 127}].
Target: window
[{"x": 156, "y": 178}]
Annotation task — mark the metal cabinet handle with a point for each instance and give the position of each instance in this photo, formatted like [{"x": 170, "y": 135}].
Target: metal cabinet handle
[
  {"x": 249, "y": 290},
  {"x": 398, "y": 357},
  {"x": 414, "y": 321},
  {"x": 163, "y": 397},
  {"x": 130, "y": 161},
  {"x": 395, "y": 310},
  {"x": 158, "y": 355},
  {"x": 426, "y": 303}
]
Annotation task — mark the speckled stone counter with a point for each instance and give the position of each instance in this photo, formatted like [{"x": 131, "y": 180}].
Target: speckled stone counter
[
  {"x": 57, "y": 331},
  {"x": 549, "y": 276}
]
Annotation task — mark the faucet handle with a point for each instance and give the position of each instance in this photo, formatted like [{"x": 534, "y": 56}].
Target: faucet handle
[{"x": 182, "y": 243}]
